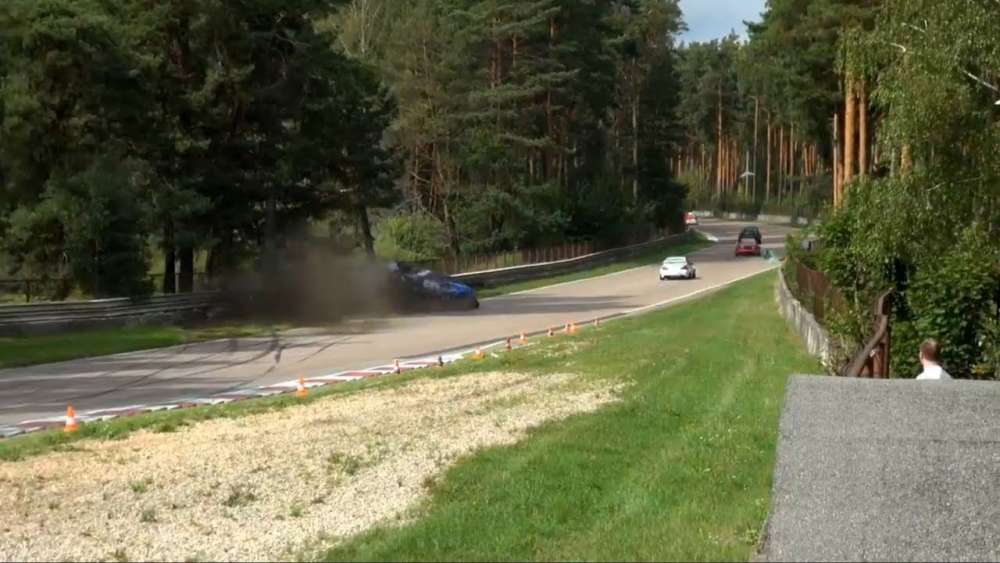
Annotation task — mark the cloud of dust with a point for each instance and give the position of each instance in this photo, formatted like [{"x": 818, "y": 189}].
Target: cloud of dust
[{"x": 313, "y": 283}]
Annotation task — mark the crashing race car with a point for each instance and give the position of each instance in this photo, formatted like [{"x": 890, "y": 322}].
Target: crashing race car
[{"x": 423, "y": 289}]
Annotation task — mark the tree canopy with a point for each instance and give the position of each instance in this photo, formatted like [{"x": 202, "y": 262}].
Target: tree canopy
[{"x": 206, "y": 133}]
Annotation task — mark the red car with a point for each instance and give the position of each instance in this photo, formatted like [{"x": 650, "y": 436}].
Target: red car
[
  {"x": 748, "y": 243},
  {"x": 690, "y": 219}
]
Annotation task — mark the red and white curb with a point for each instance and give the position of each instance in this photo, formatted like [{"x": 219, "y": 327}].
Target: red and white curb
[{"x": 234, "y": 395}]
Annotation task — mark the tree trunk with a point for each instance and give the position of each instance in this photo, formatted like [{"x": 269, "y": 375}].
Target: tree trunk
[
  {"x": 792, "y": 149},
  {"x": 756, "y": 121},
  {"x": 747, "y": 188},
  {"x": 187, "y": 269},
  {"x": 737, "y": 169},
  {"x": 770, "y": 150},
  {"x": 451, "y": 231},
  {"x": 365, "y": 230},
  {"x": 906, "y": 161},
  {"x": 781, "y": 162},
  {"x": 850, "y": 132},
  {"x": 169, "y": 259},
  {"x": 838, "y": 188},
  {"x": 863, "y": 136},
  {"x": 718, "y": 176},
  {"x": 635, "y": 147},
  {"x": 737, "y": 164}
]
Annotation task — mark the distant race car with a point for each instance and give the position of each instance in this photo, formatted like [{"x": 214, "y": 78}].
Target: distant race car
[
  {"x": 417, "y": 288},
  {"x": 749, "y": 241},
  {"x": 677, "y": 267},
  {"x": 690, "y": 219}
]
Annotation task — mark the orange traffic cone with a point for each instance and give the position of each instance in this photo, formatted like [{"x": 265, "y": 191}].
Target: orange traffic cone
[
  {"x": 571, "y": 328},
  {"x": 301, "y": 390},
  {"x": 71, "y": 424},
  {"x": 524, "y": 339},
  {"x": 479, "y": 354}
]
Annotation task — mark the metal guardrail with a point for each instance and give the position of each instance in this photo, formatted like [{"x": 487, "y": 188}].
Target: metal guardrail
[
  {"x": 34, "y": 289},
  {"x": 501, "y": 276},
  {"x": 41, "y": 318}
]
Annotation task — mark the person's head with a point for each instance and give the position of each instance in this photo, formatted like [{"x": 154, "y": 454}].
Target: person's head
[{"x": 930, "y": 351}]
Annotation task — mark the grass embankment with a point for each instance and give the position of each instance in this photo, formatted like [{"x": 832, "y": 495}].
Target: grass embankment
[
  {"x": 27, "y": 351},
  {"x": 654, "y": 255},
  {"x": 680, "y": 470}
]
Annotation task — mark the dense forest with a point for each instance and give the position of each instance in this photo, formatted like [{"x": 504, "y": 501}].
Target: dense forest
[
  {"x": 145, "y": 136},
  {"x": 141, "y": 136}
]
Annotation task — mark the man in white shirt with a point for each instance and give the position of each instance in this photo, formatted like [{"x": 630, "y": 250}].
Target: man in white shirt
[{"x": 930, "y": 358}]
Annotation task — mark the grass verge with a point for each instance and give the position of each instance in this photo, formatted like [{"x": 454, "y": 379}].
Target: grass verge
[
  {"x": 680, "y": 470},
  {"x": 652, "y": 256},
  {"x": 32, "y": 350}
]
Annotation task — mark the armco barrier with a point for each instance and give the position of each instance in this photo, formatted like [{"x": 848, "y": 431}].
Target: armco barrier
[
  {"x": 492, "y": 278},
  {"x": 763, "y": 218},
  {"x": 46, "y": 318}
]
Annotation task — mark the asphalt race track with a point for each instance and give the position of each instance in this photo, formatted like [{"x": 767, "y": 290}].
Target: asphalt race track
[{"x": 199, "y": 370}]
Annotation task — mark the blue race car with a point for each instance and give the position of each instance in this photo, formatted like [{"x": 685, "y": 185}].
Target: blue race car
[{"x": 421, "y": 288}]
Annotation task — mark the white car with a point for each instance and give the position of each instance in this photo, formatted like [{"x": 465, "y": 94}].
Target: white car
[{"x": 677, "y": 267}]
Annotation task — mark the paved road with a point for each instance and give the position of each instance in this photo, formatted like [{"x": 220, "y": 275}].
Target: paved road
[
  {"x": 893, "y": 470},
  {"x": 199, "y": 370}
]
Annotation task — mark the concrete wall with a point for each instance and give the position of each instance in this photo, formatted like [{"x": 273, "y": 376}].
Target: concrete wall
[{"x": 813, "y": 335}]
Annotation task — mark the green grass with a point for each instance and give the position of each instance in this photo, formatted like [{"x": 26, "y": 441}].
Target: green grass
[
  {"x": 694, "y": 243},
  {"x": 26, "y": 351},
  {"x": 680, "y": 470}
]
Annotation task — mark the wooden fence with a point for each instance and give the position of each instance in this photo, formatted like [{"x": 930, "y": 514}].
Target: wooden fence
[{"x": 815, "y": 291}]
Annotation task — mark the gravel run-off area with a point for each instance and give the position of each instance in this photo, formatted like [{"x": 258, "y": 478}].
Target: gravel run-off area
[{"x": 271, "y": 486}]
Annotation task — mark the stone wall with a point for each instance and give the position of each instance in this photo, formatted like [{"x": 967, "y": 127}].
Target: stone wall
[{"x": 813, "y": 335}]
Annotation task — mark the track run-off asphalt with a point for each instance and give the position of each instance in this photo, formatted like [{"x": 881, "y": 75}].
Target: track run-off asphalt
[{"x": 203, "y": 369}]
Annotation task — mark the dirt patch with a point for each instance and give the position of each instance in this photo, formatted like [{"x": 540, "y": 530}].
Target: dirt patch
[{"x": 262, "y": 487}]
